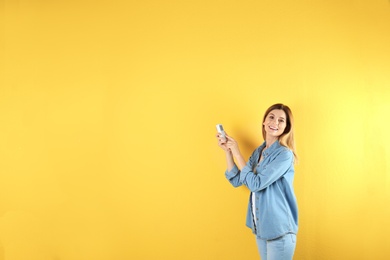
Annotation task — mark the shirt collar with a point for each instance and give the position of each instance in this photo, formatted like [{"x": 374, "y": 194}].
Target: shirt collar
[{"x": 272, "y": 148}]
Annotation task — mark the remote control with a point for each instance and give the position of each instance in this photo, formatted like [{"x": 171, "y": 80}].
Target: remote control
[{"x": 221, "y": 131}]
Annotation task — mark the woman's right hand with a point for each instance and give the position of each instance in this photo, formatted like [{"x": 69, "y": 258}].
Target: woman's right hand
[{"x": 222, "y": 142}]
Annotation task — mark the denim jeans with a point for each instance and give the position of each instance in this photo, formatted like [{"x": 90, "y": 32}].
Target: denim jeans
[{"x": 277, "y": 249}]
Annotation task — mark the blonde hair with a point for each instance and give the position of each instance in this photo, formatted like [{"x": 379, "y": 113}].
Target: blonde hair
[{"x": 287, "y": 138}]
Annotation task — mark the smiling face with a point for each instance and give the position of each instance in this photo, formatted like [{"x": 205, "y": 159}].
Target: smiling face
[{"x": 275, "y": 123}]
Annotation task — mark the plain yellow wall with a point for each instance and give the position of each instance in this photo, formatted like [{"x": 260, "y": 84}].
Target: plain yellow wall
[{"x": 108, "y": 113}]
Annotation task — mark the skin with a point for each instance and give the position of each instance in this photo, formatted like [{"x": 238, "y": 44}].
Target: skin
[{"x": 274, "y": 125}]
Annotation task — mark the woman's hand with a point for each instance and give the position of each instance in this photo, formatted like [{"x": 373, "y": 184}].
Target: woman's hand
[
  {"x": 229, "y": 145},
  {"x": 232, "y": 145},
  {"x": 222, "y": 142}
]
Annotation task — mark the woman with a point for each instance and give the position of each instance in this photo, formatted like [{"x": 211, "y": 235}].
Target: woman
[{"x": 272, "y": 210}]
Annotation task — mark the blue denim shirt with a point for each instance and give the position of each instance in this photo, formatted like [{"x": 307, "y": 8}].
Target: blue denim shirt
[{"x": 272, "y": 182}]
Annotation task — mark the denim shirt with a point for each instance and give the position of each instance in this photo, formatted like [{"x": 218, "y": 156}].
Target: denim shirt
[{"x": 272, "y": 182}]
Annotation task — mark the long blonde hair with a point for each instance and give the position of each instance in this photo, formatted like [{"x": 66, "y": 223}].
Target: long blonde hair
[{"x": 287, "y": 138}]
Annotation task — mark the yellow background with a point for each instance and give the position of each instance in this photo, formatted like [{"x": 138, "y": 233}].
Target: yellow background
[{"x": 108, "y": 113}]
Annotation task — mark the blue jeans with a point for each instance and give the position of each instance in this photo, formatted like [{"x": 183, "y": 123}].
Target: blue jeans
[{"x": 277, "y": 249}]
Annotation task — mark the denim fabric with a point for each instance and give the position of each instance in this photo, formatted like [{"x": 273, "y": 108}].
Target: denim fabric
[
  {"x": 271, "y": 180},
  {"x": 278, "y": 249}
]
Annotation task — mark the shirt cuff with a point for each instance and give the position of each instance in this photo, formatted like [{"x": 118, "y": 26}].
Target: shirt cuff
[{"x": 233, "y": 172}]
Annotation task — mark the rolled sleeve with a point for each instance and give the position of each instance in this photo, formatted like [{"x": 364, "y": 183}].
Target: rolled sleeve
[
  {"x": 233, "y": 176},
  {"x": 244, "y": 173},
  {"x": 269, "y": 174},
  {"x": 232, "y": 173}
]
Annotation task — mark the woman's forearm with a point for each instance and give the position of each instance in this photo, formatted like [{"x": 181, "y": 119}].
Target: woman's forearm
[
  {"x": 240, "y": 161},
  {"x": 229, "y": 160},
  {"x": 233, "y": 154}
]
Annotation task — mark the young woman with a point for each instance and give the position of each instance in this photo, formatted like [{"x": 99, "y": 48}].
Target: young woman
[{"x": 272, "y": 210}]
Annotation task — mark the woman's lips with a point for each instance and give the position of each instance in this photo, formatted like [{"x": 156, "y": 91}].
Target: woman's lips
[{"x": 273, "y": 128}]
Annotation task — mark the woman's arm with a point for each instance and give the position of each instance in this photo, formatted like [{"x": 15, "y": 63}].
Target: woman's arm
[
  {"x": 233, "y": 172},
  {"x": 232, "y": 151},
  {"x": 232, "y": 145},
  {"x": 272, "y": 172},
  {"x": 229, "y": 160}
]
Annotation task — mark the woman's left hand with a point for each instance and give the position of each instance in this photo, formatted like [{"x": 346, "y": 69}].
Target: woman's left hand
[{"x": 232, "y": 145}]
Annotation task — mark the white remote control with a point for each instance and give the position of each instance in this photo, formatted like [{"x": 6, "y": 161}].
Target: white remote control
[{"x": 221, "y": 131}]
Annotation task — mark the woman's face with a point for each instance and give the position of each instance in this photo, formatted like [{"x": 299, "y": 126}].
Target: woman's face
[{"x": 275, "y": 123}]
